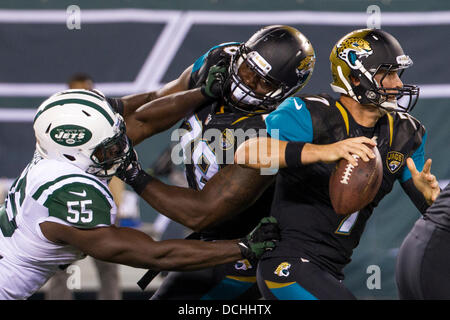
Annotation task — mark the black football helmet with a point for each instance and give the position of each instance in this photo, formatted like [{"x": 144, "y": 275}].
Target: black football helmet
[
  {"x": 280, "y": 55},
  {"x": 362, "y": 54}
]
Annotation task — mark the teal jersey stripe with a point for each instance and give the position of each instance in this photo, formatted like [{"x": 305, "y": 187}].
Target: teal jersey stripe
[
  {"x": 228, "y": 289},
  {"x": 47, "y": 185},
  {"x": 292, "y": 292},
  {"x": 79, "y": 101}
]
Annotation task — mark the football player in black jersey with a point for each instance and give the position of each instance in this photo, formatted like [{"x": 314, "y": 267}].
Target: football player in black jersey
[
  {"x": 315, "y": 132},
  {"x": 224, "y": 199}
]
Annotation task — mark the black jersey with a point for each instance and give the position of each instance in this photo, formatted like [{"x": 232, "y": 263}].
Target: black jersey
[
  {"x": 439, "y": 212},
  {"x": 310, "y": 227},
  {"x": 212, "y": 135}
]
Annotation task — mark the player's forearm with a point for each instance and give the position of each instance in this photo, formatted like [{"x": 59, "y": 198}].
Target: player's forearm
[
  {"x": 136, "y": 249},
  {"x": 161, "y": 114},
  {"x": 184, "y": 255},
  {"x": 132, "y": 102},
  {"x": 186, "y": 206},
  {"x": 267, "y": 152}
]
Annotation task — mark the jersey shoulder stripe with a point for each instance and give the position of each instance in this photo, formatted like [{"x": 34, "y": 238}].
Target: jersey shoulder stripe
[{"x": 49, "y": 187}]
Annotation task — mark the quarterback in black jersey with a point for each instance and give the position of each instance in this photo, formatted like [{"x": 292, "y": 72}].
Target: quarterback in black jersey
[
  {"x": 315, "y": 132},
  {"x": 224, "y": 199}
]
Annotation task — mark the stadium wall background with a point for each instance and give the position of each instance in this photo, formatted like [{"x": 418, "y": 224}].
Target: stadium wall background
[{"x": 134, "y": 46}]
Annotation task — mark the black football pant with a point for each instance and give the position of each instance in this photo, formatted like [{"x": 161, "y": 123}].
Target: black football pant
[
  {"x": 423, "y": 263},
  {"x": 298, "y": 279},
  {"x": 232, "y": 281}
]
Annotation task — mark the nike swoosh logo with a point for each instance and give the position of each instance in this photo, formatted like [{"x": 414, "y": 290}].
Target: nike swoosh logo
[
  {"x": 297, "y": 106},
  {"x": 81, "y": 194}
]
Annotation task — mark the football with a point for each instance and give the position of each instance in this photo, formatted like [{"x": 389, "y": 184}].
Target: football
[{"x": 352, "y": 188}]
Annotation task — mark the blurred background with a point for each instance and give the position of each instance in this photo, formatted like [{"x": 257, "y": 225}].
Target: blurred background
[{"x": 134, "y": 46}]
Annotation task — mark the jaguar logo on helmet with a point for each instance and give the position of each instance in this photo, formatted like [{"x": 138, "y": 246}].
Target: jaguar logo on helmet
[
  {"x": 283, "y": 269},
  {"x": 243, "y": 265},
  {"x": 70, "y": 135},
  {"x": 352, "y": 49},
  {"x": 306, "y": 65}
]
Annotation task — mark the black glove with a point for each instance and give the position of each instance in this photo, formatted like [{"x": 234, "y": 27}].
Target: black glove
[
  {"x": 132, "y": 174},
  {"x": 213, "y": 86},
  {"x": 261, "y": 239}
]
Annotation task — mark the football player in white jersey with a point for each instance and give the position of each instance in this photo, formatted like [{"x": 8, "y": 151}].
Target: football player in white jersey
[{"x": 60, "y": 209}]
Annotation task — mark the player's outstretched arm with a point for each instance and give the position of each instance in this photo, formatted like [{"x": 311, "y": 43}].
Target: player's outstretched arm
[
  {"x": 228, "y": 192},
  {"x": 134, "y": 248},
  {"x": 162, "y": 113},
  {"x": 131, "y": 103},
  {"x": 262, "y": 152}
]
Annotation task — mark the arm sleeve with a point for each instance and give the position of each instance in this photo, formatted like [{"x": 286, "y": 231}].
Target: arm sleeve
[
  {"x": 415, "y": 195},
  {"x": 407, "y": 183},
  {"x": 419, "y": 160},
  {"x": 291, "y": 121}
]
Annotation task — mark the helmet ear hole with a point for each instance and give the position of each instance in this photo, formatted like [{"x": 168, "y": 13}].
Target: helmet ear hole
[{"x": 68, "y": 156}]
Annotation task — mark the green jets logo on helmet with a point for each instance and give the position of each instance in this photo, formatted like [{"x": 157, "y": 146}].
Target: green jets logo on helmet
[{"x": 70, "y": 135}]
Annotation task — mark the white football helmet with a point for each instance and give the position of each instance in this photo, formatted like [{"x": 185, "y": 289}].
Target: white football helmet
[{"x": 79, "y": 126}]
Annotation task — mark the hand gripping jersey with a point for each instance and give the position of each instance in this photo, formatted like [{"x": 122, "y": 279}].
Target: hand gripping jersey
[
  {"x": 212, "y": 136},
  {"x": 310, "y": 227},
  {"x": 47, "y": 190}
]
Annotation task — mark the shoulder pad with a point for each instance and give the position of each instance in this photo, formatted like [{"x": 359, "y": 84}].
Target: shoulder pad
[
  {"x": 409, "y": 119},
  {"x": 320, "y": 99}
]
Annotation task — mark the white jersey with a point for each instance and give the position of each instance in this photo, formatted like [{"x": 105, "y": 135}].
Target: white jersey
[{"x": 47, "y": 190}]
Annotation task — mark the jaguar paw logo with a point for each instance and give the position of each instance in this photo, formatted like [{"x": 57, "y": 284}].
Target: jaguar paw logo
[
  {"x": 394, "y": 161},
  {"x": 243, "y": 265},
  {"x": 283, "y": 269},
  {"x": 70, "y": 135}
]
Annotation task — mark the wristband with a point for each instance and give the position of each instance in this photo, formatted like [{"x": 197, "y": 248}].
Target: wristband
[
  {"x": 293, "y": 154},
  {"x": 140, "y": 181}
]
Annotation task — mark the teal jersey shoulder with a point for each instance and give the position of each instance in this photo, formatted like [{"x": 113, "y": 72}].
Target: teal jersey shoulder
[{"x": 293, "y": 121}]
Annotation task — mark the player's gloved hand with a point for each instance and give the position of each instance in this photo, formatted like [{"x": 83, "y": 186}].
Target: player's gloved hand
[
  {"x": 261, "y": 239},
  {"x": 213, "y": 86},
  {"x": 132, "y": 174}
]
